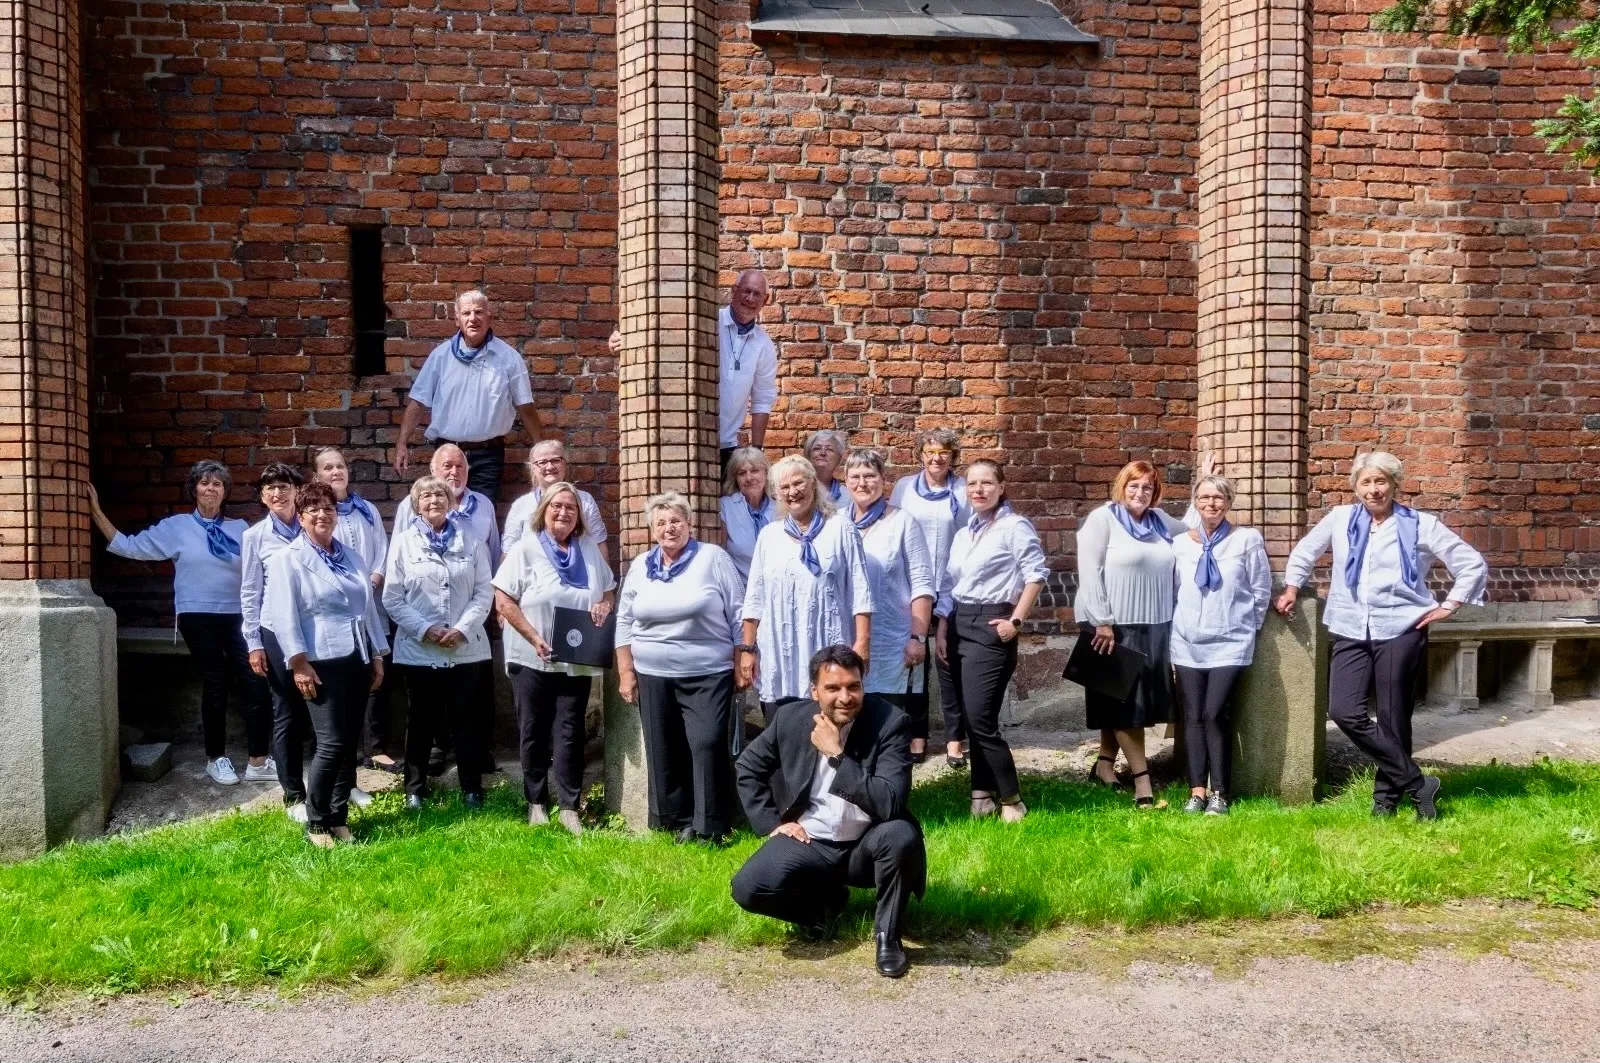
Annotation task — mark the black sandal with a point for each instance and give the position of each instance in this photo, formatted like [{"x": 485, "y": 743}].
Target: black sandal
[
  {"x": 1094, "y": 775},
  {"x": 1146, "y": 803}
]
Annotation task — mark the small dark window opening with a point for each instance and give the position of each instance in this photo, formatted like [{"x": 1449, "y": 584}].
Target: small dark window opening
[{"x": 366, "y": 299}]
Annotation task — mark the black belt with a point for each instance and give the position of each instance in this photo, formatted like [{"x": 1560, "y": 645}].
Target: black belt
[
  {"x": 984, "y": 609},
  {"x": 487, "y": 444}
]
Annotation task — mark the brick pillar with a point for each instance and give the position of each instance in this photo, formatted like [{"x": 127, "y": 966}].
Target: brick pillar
[
  {"x": 1255, "y": 141},
  {"x": 58, "y": 723},
  {"x": 667, "y": 137}
]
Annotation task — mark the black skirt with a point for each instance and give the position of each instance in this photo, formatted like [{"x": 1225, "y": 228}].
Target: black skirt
[{"x": 1151, "y": 701}]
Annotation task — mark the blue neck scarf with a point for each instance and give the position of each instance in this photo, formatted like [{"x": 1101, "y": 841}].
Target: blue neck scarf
[
  {"x": 808, "y": 552},
  {"x": 465, "y": 511},
  {"x": 223, "y": 546},
  {"x": 438, "y": 541},
  {"x": 337, "y": 559},
  {"x": 286, "y": 532},
  {"x": 921, "y": 485},
  {"x": 354, "y": 503},
  {"x": 1360, "y": 530},
  {"x": 872, "y": 515},
  {"x": 656, "y": 570},
  {"x": 464, "y": 354},
  {"x": 746, "y": 328},
  {"x": 836, "y": 490},
  {"x": 569, "y": 564},
  {"x": 1207, "y": 574},
  {"x": 759, "y": 515},
  {"x": 979, "y": 523},
  {"x": 1146, "y": 528}
]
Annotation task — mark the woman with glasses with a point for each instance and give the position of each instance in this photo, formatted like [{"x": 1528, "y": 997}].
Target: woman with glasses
[{"x": 547, "y": 466}]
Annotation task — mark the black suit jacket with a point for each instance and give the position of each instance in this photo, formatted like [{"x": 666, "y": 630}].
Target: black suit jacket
[{"x": 874, "y": 772}]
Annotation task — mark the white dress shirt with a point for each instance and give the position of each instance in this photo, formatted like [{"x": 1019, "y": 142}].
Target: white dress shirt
[
  {"x": 739, "y": 529},
  {"x": 686, "y": 627},
  {"x": 370, "y": 541},
  {"x": 1217, "y": 628},
  {"x": 993, "y": 567},
  {"x": 829, "y": 817},
  {"x": 320, "y": 613},
  {"x": 261, "y": 544},
  {"x": 900, "y": 571},
  {"x": 423, "y": 588},
  {"x": 1123, "y": 580},
  {"x": 800, "y": 613},
  {"x": 749, "y": 376},
  {"x": 594, "y": 525},
  {"x": 481, "y": 524},
  {"x": 472, "y": 403},
  {"x": 934, "y": 517},
  {"x": 1384, "y": 605},
  {"x": 201, "y": 583},
  {"x": 528, "y": 576}
]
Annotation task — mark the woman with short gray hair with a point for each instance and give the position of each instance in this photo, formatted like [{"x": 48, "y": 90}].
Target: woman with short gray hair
[
  {"x": 207, "y": 550},
  {"x": 825, "y": 450},
  {"x": 1224, "y": 587},
  {"x": 1378, "y": 612},
  {"x": 677, "y": 622}
]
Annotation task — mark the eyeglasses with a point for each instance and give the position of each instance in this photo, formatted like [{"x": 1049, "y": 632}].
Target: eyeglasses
[
  {"x": 935, "y": 452},
  {"x": 277, "y": 487},
  {"x": 548, "y": 463},
  {"x": 313, "y": 511}
]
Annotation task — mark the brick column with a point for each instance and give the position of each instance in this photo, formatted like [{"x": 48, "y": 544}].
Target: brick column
[
  {"x": 667, "y": 138},
  {"x": 1255, "y": 141},
  {"x": 58, "y": 723}
]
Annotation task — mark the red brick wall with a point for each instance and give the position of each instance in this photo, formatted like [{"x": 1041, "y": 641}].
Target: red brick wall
[
  {"x": 1455, "y": 269},
  {"x": 998, "y": 239}
]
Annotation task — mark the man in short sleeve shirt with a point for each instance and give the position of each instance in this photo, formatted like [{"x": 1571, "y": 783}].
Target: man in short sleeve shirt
[{"x": 473, "y": 386}]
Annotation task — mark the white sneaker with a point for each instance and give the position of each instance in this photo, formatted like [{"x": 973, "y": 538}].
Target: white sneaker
[
  {"x": 221, "y": 770},
  {"x": 267, "y": 772},
  {"x": 359, "y": 797},
  {"x": 296, "y": 811}
]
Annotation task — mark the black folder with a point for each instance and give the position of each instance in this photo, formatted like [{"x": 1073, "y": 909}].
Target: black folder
[
  {"x": 578, "y": 641},
  {"x": 1112, "y": 674}
]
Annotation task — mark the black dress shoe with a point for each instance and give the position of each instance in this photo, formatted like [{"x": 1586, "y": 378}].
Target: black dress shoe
[
  {"x": 956, "y": 763},
  {"x": 1425, "y": 794},
  {"x": 413, "y": 803},
  {"x": 474, "y": 802},
  {"x": 892, "y": 962},
  {"x": 684, "y": 836}
]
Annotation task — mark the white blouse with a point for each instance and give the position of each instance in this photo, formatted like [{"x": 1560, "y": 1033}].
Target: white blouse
[
  {"x": 993, "y": 567},
  {"x": 369, "y": 541},
  {"x": 528, "y": 576},
  {"x": 739, "y": 530},
  {"x": 202, "y": 583},
  {"x": 594, "y": 525},
  {"x": 1217, "y": 628},
  {"x": 481, "y": 524},
  {"x": 938, "y": 525},
  {"x": 1122, "y": 580},
  {"x": 423, "y": 588},
  {"x": 1384, "y": 605},
  {"x": 900, "y": 571},
  {"x": 800, "y": 613},
  {"x": 686, "y": 627},
  {"x": 261, "y": 544}
]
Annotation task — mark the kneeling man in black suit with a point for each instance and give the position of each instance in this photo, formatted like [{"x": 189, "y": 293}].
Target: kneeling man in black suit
[{"x": 827, "y": 782}]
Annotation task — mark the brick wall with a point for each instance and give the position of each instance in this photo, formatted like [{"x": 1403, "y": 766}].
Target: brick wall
[{"x": 1455, "y": 272}]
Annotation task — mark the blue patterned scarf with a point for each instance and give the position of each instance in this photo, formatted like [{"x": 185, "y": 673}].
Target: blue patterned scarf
[
  {"x": 223, "y": 546},
  {"x": 808, "y": 552},
  {"x": 569, "y": 564},
  {"x": 873, "y": 514},
  {"x": 438, "y": 541},
  {"x": 337, "y": 559},
  {"x": 1146, "y": 528},
  {"x": 466, "y": 355},
  {"x": 354, "y": 503},
  {"x": 286, "y": 532},
  {"x": 921, "y": 486},
  {"x": 1208, "y": 574},
  {"x": 759, "y": 516},
  {"x": 1360, "y": 530},
  {"x": 465, "y": 512},
  {"x": 656, "y": 569}
]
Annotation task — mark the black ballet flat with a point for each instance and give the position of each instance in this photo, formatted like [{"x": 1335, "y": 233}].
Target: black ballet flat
[
  {"x": 919, "y": 758},
  {"x": 956, "y": 763}
]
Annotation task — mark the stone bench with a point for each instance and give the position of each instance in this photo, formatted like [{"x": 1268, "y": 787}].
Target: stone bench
[
  {"x": 1509, "y": 652},
  {"x": 157, "y": 641}
]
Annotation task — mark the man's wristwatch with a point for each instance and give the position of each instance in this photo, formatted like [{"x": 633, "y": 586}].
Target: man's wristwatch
[
  {"x": 1016, "y": 621},
  {"x": 745, "y": 647},
  {"x": 833, "y": 761}
]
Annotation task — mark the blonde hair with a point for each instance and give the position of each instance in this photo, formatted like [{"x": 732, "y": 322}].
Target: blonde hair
[
  {"x": 738, "y": 461},
  {"x": 536, "y": 522},
  {"x": 667, "y": 500},
  {"x": 795, "y": 463}
]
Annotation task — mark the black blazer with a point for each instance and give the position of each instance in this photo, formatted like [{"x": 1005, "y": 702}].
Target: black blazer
[{"x": 874, "y": 773}]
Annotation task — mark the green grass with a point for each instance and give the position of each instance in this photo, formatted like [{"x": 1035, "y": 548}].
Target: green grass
[{"x": 242, "y": 899}]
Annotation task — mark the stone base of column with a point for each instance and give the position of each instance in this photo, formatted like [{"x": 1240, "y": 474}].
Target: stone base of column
[
  {"x": 1281, "y": 709},
  {"x": 59, "y": 771},
  {"x": 627, "y": 774}
]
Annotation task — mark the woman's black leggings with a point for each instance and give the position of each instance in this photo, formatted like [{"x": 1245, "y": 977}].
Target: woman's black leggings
[
  {"x": 216, "y": 642},
  {"x": 1207, "y": 723}
]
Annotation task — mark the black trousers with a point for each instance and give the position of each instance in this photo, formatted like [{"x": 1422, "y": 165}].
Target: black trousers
[
  {"x": 770, "y": 708},
  {"x": 1357, "y": 669},
  {"x": 798, "y": 882},
  {"x": 980, "y": 667},
  {"x": 336, "y": 714},
  {"x": 1207, "y": 723},
  {"x": 486, "y": 465},
  {"x": 216, "y": 643},
  {"x": 685, "y": 739},
  {"x": 550, "y": 710},
  {"x": 378, "y": 710},
  {"x": 933, "y": 670},
  {"x": 437, "y": 698},
  {"x": 291, "y": 723}
]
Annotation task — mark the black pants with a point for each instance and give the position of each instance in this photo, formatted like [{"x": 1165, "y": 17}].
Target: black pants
[
  {"x": 770, "y": 709},
  {"x": 486, "y": 465},
  {"x": 797, "y": 882},
  {"x": 1207, "y": 723},
  {"x": 443, "y": 697},
  {"x": 550, "y": 709},
  {"x": 1357, "y": 668},
  {"x": 336, "y": 714},
  {"x": 955, "y": 728},
  {"x": 980, "y": 667},
  {"x": 685, "y": 739},
  {"x": 216, "y": 644},
  {"x": 291, "y": 723},
  {"x": 378, "y": 710}
]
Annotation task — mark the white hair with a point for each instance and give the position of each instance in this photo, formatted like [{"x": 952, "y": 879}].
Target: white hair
[
  {"x": 795, "y": 463},
  {"x": 840, "y": 442},
  {"x": 472, "y": 295},
  {"x": 1382, "y": 461},
  {"x": 1221, "y": 483},
  {"x": 667, "y": 500}
]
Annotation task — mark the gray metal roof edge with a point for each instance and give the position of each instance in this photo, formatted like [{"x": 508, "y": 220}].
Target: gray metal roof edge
[{"x": 787, "y": 27}]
